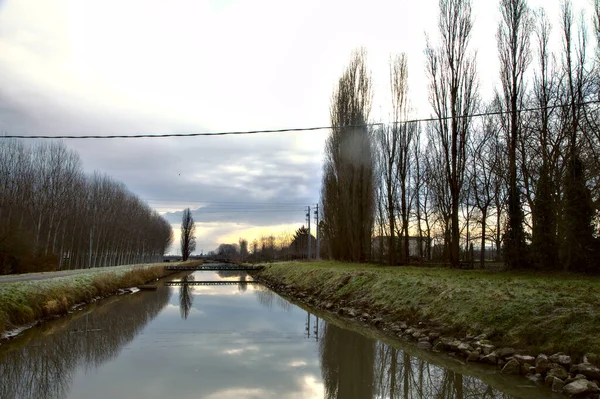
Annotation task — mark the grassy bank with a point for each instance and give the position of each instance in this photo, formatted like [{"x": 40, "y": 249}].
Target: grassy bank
[
  {"x": 534, "y": 313},
  {"x": 25, "y": 302}
]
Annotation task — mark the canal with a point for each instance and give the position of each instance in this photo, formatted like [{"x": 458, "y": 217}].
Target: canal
[{"x": 230, "y": 341}]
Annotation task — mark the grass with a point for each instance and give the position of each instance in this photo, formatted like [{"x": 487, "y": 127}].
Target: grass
[
  {"x": 532, "y": 312},
  {"x": 25, "y": 302},
  {"x": 9, "y": 277}
]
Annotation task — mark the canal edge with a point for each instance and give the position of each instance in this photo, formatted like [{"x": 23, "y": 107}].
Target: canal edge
[{"x": 556, "y": 372}]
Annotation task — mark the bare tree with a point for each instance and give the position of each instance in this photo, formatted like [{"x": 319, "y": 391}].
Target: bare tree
[
  {"x": 381, "y": 216},
  {"x": 404, "y": 133},
  {"x": 243, "y": 243},
  {"x": 347, "y": 193},
  {"x": 544, "y": 206},
  {"x": 577, "y": 240},
  {"x": 394, "y": 153},
  {"x": 188, "y": 239},
  {"x": 420, "y": 189},
  {"x": 513, "y": 37},
  {"x": 441, "y": 201},
  {"x": 485, "y": 161},
  {"x": 452, "y": 94}
]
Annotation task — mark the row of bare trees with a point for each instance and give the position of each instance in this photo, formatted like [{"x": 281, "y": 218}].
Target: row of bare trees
[
  {"x": 283, "y": 247},
  {"x": 263, "y": 249},
  {"x": 517, "y": 174},
  {"x": 53, "y": 216}
]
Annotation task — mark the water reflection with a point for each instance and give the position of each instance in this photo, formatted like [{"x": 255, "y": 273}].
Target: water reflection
[
  {"x": 241, "y": 275},
  {"x": 236, "y": 344},
  {"x": 42, "y": 363},
  {"x": 356, "y": 367},
  {"x": 243, "y": 286},
  {"x": 347, "y": 361},
  {"x": 267, "y": 298},
  {"x": 186, "y": 298},
  {"x": 229, "y": 274},
  {"x": 315, "y": 331}
]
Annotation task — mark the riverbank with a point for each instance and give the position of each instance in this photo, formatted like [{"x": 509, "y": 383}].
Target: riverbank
[
  {"x": 25, "y": 302},
  {"x": 543, "y": 326}
]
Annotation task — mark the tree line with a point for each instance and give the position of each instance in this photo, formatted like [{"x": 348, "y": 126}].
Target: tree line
[
  {"x": 283, "y": 247},
  {"x": 54, "y": 216},
  {"x": 517, "y": 173}
]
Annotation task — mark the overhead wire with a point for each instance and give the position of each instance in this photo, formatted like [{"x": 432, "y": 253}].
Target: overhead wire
[
  {"x": 227, "y": 203},
  {"x": 242, "y": 212},
  {"x": 205, "y": 134},
  {"x": 299, "y": 129}
]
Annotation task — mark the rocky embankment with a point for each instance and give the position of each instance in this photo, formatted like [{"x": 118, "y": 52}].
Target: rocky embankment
[{"x": 577, "y": 378}]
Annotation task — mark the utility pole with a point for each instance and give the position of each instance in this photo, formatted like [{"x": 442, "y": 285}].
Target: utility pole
[
  {"x": 317, "y": 255},
  {"x": 308, "y": 220}
]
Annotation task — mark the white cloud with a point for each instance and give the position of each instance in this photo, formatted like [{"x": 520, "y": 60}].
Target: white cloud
[
  {"x": 297, "y": 363},
  {"x": 237, "y": 351}
]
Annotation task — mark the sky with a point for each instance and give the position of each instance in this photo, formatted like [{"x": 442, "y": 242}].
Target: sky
[{"x": 89, "y": 67}]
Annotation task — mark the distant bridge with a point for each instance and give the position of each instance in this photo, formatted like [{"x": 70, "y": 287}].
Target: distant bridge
[
  {"x": 214, "y": 268},
  {"x": 180, "y": 283}
]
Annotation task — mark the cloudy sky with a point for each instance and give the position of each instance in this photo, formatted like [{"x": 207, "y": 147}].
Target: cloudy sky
[{"x": 86, "y": 67}]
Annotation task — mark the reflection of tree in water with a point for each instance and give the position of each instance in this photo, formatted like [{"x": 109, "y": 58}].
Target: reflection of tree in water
[
  {"x": 266, "y": 297},
  {"x": 243, "y": 285},
  {"x": 186, "y": 297},
  {"x": 357, "y": 367},
  {"x": 241, "y": 275},
  {"x": 44, "y": 365},
  {"x": 231, "y": 273},
  {"x": 347, "y": 361},
  {"x": 398, "y": 375}
]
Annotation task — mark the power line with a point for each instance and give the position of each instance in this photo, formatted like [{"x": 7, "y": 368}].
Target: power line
[
  {"x": 220, "y": 208},
  {"x": 207, "y": 134},
  {"x": 211, "y": 202},
  {"x": 288, "y": 130},
  {"x": 257, "y": 209},
  {"x": 247, "y": 211}
]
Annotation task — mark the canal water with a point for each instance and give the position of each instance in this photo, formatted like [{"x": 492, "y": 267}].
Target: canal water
[{"x": 229, "y": 342}]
